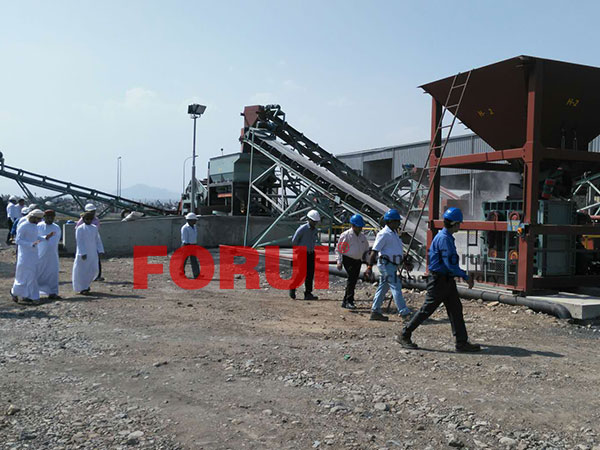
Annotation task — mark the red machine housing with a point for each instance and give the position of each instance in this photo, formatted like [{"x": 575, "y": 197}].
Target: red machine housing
[{"x": 535, "y": 113}]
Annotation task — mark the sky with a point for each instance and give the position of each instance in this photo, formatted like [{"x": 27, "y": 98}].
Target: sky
[{"x": 84, "y": 82}]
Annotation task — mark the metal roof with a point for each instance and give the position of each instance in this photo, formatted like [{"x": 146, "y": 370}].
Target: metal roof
[{"x": 494, "y": 105}]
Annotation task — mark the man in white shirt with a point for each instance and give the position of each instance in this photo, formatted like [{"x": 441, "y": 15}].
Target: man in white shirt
[
  {"x": 48, "y": 254},
  {"x": 189, "y": 236},
  {"x": 388, "y": 245},
  {"x": 350, "y": 251},
  {"x": 13, "y": 213}
]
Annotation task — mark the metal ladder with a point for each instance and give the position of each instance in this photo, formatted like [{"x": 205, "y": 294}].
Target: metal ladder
[{"x": 454, "y": 108}]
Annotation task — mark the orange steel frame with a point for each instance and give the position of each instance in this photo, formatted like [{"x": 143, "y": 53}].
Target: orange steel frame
[{"x": 532, "y": 153}]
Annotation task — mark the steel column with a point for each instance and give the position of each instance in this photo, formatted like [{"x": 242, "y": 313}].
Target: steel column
[
  {"x": 532, "y": 150},
  {"x": 434, "y": 175}
]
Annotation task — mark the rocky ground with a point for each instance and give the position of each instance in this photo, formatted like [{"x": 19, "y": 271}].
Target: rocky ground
[{"x": 231, "y": 369}]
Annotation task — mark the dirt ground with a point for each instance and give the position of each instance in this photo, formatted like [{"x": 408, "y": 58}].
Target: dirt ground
[{"x": 233, "y": 369}]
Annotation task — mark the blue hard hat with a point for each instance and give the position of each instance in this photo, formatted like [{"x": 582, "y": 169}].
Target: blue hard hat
[
  {"x": 357, "y": 220},
  {"x": 392, "y": 214},
  {"x": 453, "y": 214}
]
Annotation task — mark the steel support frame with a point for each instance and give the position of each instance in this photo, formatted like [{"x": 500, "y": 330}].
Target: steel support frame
[
  {"x": 531, "y": 155},
  {"x": 591, "y": 191},
  {"x": 302, "y": 189}
]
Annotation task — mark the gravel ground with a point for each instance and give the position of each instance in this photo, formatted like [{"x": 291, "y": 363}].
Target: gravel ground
[{"x": 231, "y": 369}]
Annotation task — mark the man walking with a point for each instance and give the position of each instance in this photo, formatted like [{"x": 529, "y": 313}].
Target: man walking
[
  {"x": 189, "y": 236},
  {"x": 389, "y": 247},
  {"x": 26, "y": 272},
  {"x": 350, "y": 251},
  {"x": 441, "y": 286},
  {"x": 48, "y": 256},
  {"x": 306, "y": 236},
  {"x": 89, "y": 247}
]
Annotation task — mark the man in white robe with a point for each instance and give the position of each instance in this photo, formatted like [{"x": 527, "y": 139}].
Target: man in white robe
[
  {"x": 25, "y": 285},
  {"x": 91, "y": 208},
  {"x": 89, "y": 246},
  {"x": 48, "y": 254}
]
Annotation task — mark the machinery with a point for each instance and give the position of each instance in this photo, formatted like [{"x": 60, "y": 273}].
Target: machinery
[
  {"x": 554, "y": 255},
  {"x": 228, "y": 181},
  {"x": 311, "y": 178},
  {"x": 539, "y": 116}
]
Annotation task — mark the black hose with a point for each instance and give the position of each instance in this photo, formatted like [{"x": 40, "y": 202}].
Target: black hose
[{"x": 553, "y": 309}]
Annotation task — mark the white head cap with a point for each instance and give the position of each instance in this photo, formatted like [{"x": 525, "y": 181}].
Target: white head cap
[
  {"x": 12, "y": 198},
  {"x": 191, "y": 216},
  {"x": 90, "y": 207},
  {"x": 25, "y": 210},
  {"x": 314, "y": 215},
  {"x": 37, "y": 213}
]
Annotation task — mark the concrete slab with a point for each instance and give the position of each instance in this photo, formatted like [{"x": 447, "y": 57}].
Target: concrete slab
[
  {"x": 119, "y": 238},
  {"x": 581, "y": 306}
]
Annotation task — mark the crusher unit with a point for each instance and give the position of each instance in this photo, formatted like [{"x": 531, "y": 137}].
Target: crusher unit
[
  {"x": 539, "y": 116},
  {"x": 228, "y": 181}
]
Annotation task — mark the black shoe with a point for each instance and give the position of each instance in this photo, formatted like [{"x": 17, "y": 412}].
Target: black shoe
[
  {"x": 54, "y": 297},
  {"x": 467, "y": 347},
  {"x": 85, "y": 292},
  {"x": 309, "y": 296},
  {"x": 293, "y": 294},
  {"x": 102, "y": 278},
  {"x": 405, "y": 341},
  {"x": 378, "y": 316},
  {"x": 348, "y": 305}
]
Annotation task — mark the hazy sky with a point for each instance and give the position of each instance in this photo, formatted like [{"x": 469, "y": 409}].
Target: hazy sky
[{"x": 83, "y": 82}]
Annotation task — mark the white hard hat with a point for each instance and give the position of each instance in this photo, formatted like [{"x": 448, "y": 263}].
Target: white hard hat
[
  {"x": 90, "y": 207},
  {"x": 191, "y": 216},
  {"x": 314, "y": 215},
  {"x": 12, "y": 198}
]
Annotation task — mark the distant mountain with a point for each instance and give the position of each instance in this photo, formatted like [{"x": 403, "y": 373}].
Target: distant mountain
[{"x": 145, "y": 192}]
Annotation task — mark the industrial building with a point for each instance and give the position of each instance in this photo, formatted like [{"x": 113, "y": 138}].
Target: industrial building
[{"x": 386, "y": 163}]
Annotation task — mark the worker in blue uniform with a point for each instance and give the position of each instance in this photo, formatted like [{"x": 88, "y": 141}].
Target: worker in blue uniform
[{"x": 441, "y": 286}]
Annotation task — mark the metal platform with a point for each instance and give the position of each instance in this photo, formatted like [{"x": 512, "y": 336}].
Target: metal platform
[{"x": 581, "y": 306}]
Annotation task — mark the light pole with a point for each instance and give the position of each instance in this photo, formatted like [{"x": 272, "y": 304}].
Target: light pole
[
  {"x": 183, "y": 181},
  {"x": 194, "y": 111},
  {"x": 119, "y": 173}
]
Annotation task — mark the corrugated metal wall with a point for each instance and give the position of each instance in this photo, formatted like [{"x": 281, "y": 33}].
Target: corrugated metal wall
[{"x": 417, "y": 152}]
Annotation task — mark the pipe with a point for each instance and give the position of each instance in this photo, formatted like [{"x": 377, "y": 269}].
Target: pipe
[{"x": 553, "y": 309}]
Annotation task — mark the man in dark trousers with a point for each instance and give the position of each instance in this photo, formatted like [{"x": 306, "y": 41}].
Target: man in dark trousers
[
  {"x": 189, "y": 236},
  {"x": 441, "y": 286},
  {"x": 350, "y": 251},
  {"x": 306, "y": 236}
]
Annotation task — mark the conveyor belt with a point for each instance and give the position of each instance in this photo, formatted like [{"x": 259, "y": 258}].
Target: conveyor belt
[
  {"x": 80, "y": 194},
  {"x": 355, "y": 192}
]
